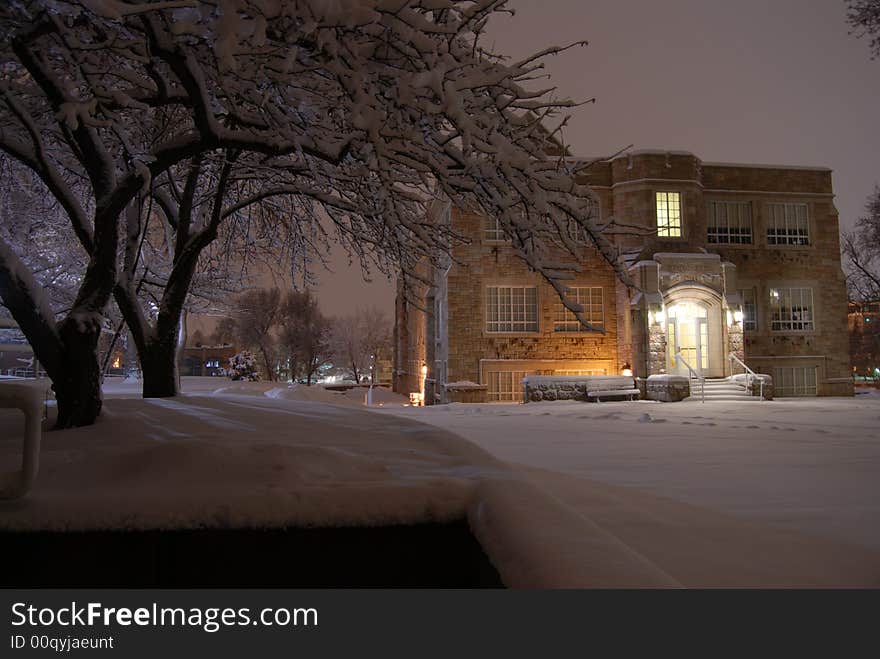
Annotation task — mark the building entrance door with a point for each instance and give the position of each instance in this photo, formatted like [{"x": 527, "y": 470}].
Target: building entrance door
[{"x": 687, "y": 332}]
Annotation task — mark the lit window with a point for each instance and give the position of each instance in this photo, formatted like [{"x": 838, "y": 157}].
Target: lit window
[
  {"x": 750, "y": 309},
  {"x": 792, "y": 309},
  {"x": 511, "y": 309},
  {"x": 787, "y": 224},
  {"x": 669, "y": 214},
  {"x": 794, "y": 381},
  {"x": 591, "y": 301},
  {"x": 730, "y": 223}
]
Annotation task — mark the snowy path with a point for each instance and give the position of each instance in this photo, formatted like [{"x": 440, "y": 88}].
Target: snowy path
[{"x": 805, "y": 465}]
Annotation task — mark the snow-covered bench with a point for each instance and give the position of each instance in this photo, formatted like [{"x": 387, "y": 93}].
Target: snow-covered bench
[
  {"x": 611, "y": 386},
  {"x": 28, "y": 397}
]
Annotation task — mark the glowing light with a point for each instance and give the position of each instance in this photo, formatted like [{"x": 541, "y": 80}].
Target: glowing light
[{"x": 737, "y": 316}]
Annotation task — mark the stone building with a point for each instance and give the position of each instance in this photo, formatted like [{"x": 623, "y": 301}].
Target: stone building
[
  {"x": 864, "y": 337},
  {"x": 732, "y": 263}
]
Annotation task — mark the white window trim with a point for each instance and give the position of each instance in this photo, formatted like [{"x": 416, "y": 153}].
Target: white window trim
[
  {"x": 774, "y": 324},
  {"x": 756, "y": 319},
  {"x": 771, "y": 225},
  {"x": 724, "y": 235},
  {"x": 570, "y": 319},
  {"x": 805, "y": 388},
  {"x": 486, "y": 320},
  {"x": 492, "y": 231},
  {"x": 511, "y": 394}
]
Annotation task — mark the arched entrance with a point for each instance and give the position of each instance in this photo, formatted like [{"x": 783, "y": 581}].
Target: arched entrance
[{"x": 694, "y": 329}]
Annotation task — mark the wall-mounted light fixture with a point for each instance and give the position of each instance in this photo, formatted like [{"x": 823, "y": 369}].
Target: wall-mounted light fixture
[{"x": 657, "y": 316}]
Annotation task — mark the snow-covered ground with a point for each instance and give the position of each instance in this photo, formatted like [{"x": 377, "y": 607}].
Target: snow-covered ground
[
  {"x": 804, "y": 464},
  {"x": 611, "y": 494},
  {"x": 242, "y": 460}
]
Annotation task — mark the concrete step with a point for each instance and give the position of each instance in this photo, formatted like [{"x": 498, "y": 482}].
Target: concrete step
[{"x": 723, "y": 398}]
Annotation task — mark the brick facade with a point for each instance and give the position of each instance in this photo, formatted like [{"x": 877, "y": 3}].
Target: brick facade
[{"x": 452, "y": 336}]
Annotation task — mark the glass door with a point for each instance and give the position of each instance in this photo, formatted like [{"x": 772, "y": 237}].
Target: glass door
[{"x": 687, "y": 332}]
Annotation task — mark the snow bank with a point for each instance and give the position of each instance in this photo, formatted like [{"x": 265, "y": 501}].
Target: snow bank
[
  {"x": 354, "y": 397},
  {"x": 237, "y": 461}
]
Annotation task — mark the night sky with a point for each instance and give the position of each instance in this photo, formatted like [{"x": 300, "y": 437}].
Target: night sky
[{"x": 753, "y": 81}]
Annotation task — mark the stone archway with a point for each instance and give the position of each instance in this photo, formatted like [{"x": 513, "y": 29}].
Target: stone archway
[{"x": 695, "y": 327}]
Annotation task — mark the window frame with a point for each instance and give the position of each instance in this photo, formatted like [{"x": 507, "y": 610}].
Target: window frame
[
  {"x": 514, "y": 394},
  {"x": 792, "y": 324},
  {"x": 804, "y": 388},
  {"x": 492, "y": 231},
  {"x": 783, "y": 237},
  {"x": 749, "y": 325},
  {"x": 568, "y": 318},
  {"x": 511, "y": 321},
  {"x": 665, "y": 231},
  {"x": 725, "y": 236}
]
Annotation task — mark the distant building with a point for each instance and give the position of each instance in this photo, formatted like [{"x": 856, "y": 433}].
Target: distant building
[
  {"x": 16, "y": 356},
  {"x": 205, "y": 360},
  {"x": 737, "y": 262},
  {"x": 864, "y": 339}
]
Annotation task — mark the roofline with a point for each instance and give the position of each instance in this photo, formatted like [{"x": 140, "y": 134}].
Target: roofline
[
  {"x": 704, "y": 163},
  {"x": 767, "y": 166}
]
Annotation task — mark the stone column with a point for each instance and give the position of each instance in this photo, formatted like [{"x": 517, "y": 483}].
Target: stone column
[{"x": 656, "y": 349}]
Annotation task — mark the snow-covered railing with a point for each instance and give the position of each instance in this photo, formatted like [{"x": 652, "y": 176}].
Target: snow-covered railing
[
  {"x": 697, "y": 376},
  {"x": 752, "y": 376},
  {"x": 27, "y": 397}
]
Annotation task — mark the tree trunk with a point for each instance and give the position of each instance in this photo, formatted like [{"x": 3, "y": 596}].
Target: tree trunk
[
  {"x": 159, "y": 367},
  {"x": 270, "y": 372},
  {"x": 77, "y": 384}
]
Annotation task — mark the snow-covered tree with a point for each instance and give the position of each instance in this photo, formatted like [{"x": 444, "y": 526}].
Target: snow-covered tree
[
  {"x": 863, "y": 17},
  {"x": 303, "y": 335},
  {"x": 861, "y": 253},
  {"x": 359, "y": 340},
  {"x": 193, "y": 252},
  {"x": 367, "y": 109},
  {"x": 256, "y": 322},
  {"x": 243, "y": 366}
]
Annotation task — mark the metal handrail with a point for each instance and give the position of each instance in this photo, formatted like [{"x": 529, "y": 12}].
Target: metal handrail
[
  {"x": 697, "y": 375},
  {"x": 752, "y": 375}
]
